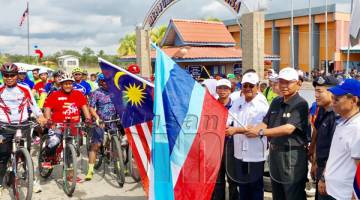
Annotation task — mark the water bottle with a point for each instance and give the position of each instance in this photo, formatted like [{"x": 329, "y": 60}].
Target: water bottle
[{"x": 53, "y": 138}]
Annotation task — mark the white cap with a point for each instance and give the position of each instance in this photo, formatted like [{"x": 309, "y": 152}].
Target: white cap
[
  {"x": 300, "y": 72},
  {"x": 43, "y": 71},
  {"x": 223, "y": 82},
  {"x": 289, "y": 74},
  {"x": 22, "y": 70},
  {"x": 250, "y": 77},
  {"x": 274, "y": 78}
]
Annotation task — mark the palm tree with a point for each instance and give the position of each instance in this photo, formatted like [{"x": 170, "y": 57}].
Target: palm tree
[
  {"x": 158, "y": 34},
  {"x": 127, "y": 45}
]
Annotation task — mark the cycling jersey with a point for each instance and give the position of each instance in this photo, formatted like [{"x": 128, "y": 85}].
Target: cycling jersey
[
  {"x": 65, "y": 106},
  {"x": 27, "y": 82},
  {"x": 39, "y": 87},
  {"x": 14, "y": 104},
  {"x": 83, "y": 87},
  {"x": 101, "y": 100}
]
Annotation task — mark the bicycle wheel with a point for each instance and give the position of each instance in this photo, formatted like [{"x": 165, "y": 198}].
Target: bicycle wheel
[
  {"x": 117, "y": 160},
  {"x": 69, "y": 169},
  {"x": 133, "y": 169},
  {"x": 24, "y": 178},
  {"x": 42, "y": 157}
]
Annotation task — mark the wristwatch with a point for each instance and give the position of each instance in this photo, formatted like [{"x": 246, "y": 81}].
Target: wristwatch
[{"x": 261, "y": 133}]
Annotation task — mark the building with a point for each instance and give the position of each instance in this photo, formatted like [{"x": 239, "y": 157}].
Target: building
[
  {"x": 197, "y": 45},
  {"x": 277, "y": 38},
  {"x": 68, "y": 62}
]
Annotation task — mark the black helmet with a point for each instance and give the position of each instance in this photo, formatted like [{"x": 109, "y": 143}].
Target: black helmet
[{"x": 9, "y": 68}]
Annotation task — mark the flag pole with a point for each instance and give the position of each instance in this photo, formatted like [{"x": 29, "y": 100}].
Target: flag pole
[
  {"x": 326, "y": 38},
  {"x": 292, "y": 34},
  {"x": 28, "y": 31},
  {"x": 348, "y": 50},
  {"x": 310, "y": 38}
]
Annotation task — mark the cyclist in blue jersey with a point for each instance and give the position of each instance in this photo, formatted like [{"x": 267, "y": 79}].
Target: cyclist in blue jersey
[
  {"x": 79, "y": 83},
  {"x": 23, "y": 79}
]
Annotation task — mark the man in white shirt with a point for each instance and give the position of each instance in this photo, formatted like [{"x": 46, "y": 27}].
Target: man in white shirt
[
  {"x": 246, "y": 111},
  {"x": 345, "y": 146}
]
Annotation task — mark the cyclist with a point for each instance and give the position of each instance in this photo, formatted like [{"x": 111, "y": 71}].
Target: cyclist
[
  {"x": 23, "y": 79},
  {"x": 101, "y": 108},
  {"x": 62, "y": 105},
  {"x": 15, "y": 99},
  {"x": 79, "y": 83},
  {"x": 40, "y": 86},
  {"x": 51, "y": 87}
]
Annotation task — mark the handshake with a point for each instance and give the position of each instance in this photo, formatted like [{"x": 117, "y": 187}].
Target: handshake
[{"x": 250, "y": 131}]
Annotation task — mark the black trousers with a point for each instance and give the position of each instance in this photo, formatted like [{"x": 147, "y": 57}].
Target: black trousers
[
  {"x": 291, "y": 191},
  {"x": 220, "y": 186}
]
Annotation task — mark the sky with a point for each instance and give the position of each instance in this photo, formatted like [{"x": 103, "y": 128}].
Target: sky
[{"x": 100, "y": 24}]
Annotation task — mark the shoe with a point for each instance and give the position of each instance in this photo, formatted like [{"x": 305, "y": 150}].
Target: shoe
[
  {"x": 46, "y": 165},
  {"x": 78, "y": 179},
  {"x": 89, "y": 176},
  {"x": 37, "y": 188},
  {"x": 1, "y": 190}
]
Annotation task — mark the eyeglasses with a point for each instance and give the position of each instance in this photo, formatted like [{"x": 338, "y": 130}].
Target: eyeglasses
[
  {"x": 9, "y": 75},
  {"x": 248, "y": 85}
]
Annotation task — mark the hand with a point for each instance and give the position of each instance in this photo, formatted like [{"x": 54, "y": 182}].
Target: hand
[
  {"x": 88, "y": 122},
  {"x": 41, "y": 120},
  {"x": 322, "y": 187},
  {"x": 313, "y": 170},
  {"x": 230, "y": 131},
  {"x": 252, "y": 133},
  {"x": 99, "y": 123}
]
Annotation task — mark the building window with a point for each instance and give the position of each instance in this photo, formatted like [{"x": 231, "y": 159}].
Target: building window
[
  {"x": 238, "y": 68},
  {"x": 71, "y": 63}
]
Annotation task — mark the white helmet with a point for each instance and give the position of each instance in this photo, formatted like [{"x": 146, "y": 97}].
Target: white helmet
[
  {"x": 43, "y": 71},
  {"x": 21, "y": 70},
  {"x": 66, "y": 77}
]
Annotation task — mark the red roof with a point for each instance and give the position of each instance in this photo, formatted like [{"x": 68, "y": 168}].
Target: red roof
[
  {"x": 190, "y": 52},
  {"x": 198, "y": 31}
]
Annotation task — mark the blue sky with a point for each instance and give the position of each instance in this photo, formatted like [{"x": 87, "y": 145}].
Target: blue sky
[{"x": 74, "y": 24}]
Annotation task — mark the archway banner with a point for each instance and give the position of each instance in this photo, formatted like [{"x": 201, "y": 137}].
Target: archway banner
[{"x": 160, "y": 6}]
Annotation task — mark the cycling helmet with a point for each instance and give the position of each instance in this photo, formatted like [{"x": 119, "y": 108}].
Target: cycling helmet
[
  {"x": 57, "y": 73},
  {"x": 100, "y": 77},
  {"x": 134, "y": 68},
  {"x": 43, "y": 71},
  {"x": 85, "y": 72},
  {"x": 77, "y": 70},
  {"x": 66, "y": 77},
  {"x": 22, "y": 70},
  {"x": 9, "y": 68}
]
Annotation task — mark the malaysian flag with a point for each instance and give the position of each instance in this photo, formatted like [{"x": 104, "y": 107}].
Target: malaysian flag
[
  {"x": 132, "y": 97},
  {"x": 23, "y": 17}
]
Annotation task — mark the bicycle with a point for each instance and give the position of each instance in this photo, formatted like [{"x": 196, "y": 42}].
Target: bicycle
[
  {"x": 66, "y": 151},
  {"x": 112, "y": 152},
  {"x": 20, "y": 171}
]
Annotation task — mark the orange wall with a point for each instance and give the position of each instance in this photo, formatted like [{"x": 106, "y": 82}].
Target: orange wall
[
  {"x": 304, "y": 47},
  {"x": 284, "y": 47},
  {"x": 331, "y": 41},
  {"x": 268, "y": 41},
  {"x": 236, "y": 36}
]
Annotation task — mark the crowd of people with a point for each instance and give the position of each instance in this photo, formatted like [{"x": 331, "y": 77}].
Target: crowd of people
[
  {"x": 268, "y": 122},
  {"x": 63, "y": 98},
  {"x": 271, "y": 122}
]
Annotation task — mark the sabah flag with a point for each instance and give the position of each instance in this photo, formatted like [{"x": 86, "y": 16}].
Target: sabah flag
[
  {"x": 188, "y": 135},
  {"x": 357, "y": 182}
]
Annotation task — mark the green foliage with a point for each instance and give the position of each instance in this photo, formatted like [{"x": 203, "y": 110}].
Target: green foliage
[{"x": 158, "y": 34}]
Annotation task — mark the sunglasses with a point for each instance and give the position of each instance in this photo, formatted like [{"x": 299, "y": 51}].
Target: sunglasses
[
  {"x": 9, "y": 75},
  {"x": 248, "y": 85}
]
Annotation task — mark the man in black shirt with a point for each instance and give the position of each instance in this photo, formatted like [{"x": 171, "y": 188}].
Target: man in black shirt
[
  {"x": 286, "y": 123},
  {"x": 325, "y": 125}
]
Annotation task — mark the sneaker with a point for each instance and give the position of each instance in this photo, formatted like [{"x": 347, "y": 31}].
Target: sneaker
[
  {"x": 78, "y": 179},
  {"x": 46, "y": 165},
  {"x": 37, "y": 188},
  {"x": 89, "y": 176}
]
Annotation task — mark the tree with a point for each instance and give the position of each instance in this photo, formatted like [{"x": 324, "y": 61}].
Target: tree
[
  {"x": 158, "y": 34},
  {"x": 127, "y": 45},
  {"x": 87, "y": 56}
]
